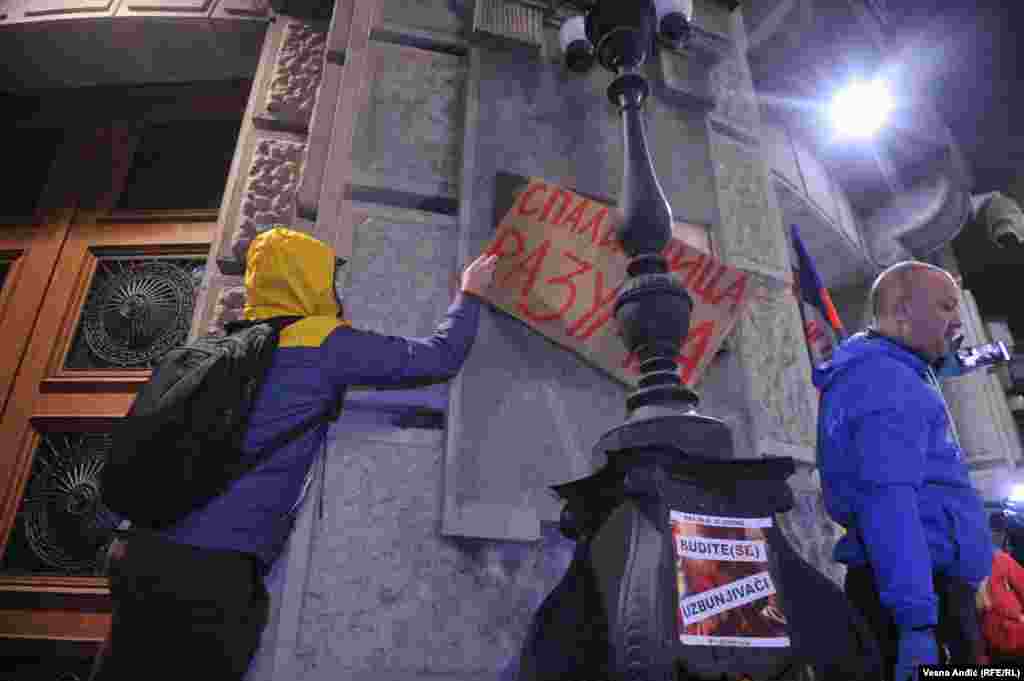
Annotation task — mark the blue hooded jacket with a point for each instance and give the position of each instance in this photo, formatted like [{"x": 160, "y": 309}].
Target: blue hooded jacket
[
  {"x": 892, "y": 473},
  {"x": 291, "y": 273}
]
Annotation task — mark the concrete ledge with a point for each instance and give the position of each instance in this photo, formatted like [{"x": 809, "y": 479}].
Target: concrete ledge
[{"x": 768, "y": 447}]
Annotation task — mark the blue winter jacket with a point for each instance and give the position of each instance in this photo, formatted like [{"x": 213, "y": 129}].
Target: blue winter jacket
[
  {"x": 893, "y": 475},
  {"x": 290, "y": 273}
]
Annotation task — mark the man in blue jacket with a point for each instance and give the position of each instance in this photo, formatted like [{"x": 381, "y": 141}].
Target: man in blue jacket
[
  {"x": 190, "y": 602},
  {"x": 893, "y": 474}
]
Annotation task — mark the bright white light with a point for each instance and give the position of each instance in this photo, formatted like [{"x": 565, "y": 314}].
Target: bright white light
[
  {"x": 861, "y": 109},
  {"x": 1017, "y": 493}
]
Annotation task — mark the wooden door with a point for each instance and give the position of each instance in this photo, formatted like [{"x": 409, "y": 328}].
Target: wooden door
[
  {"x": 95, "y": 288},
  {"x": 120, "y": 296}
]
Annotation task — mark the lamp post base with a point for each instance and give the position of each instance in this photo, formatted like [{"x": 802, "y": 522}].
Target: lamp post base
[{"x": 618, "y": 613}]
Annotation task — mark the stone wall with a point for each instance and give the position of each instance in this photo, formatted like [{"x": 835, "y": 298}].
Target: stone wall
[{"x": 381, "y": 134}]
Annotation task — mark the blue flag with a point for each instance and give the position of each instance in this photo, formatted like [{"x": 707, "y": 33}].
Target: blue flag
[{"x": 822, "y": 326}]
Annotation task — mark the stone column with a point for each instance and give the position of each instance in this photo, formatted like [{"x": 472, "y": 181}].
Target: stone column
[{"x": 768, "y": 341}]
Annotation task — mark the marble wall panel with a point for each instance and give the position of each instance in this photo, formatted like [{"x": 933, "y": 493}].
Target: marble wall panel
[
  {"x": 750, "y": 233},
  {"x": 770, "y": 341},
  {"x": 408, "y": 136},
  {"x": 537, "y": 119},
  {"x": 443, "y": 17},
  {"x": 389, "y": 598},
  {"x": 808, "y": 528},
  {"x": 402, "y": 272}
]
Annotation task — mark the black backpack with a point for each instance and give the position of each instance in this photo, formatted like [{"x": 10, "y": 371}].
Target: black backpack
[{"x": 180, "y": 444}]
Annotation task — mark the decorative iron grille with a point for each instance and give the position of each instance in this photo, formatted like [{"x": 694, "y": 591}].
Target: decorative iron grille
[
  {"x": 62, "y": 526},
  {"x": 136, "y": 311}
]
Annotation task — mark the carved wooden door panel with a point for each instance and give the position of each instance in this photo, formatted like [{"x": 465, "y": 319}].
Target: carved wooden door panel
[
  {"x": 121, "y": 295},
  {"x": 94, "y": 290}
]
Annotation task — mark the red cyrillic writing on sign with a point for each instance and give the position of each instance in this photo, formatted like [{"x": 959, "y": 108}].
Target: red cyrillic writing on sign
[
  {"x": 561, "y": 268},
  {"x": 558, "y": 210},
  {"x": 703, "y": 276},
  {"x": 565, "y": 281},
  {"x": 529, "y": 272},
  {"x": 545, "y": 215},
  {"x": 692, "y": 351},
  {"x": 601, "y": 310}
]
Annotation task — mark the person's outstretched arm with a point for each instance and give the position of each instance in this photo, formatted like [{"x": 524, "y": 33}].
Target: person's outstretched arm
[{"x": 355, "y": 357}]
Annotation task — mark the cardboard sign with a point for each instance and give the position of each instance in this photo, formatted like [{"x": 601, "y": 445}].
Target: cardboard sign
[
  {"x": 561, "y": 267},
  {"x": 726, "y": 593}
]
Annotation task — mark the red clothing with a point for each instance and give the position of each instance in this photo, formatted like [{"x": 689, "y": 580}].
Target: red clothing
[{"x": 1002, "y": 624}]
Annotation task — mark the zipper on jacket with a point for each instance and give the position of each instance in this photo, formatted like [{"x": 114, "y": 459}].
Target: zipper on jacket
[{"x": 934, "y": 381}]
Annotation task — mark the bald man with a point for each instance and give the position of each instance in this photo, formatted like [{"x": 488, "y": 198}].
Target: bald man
[{"x": 893, "y": 474}]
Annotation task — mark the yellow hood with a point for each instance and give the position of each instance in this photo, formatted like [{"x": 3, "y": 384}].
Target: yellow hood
[{"x": 288, "y": 273}]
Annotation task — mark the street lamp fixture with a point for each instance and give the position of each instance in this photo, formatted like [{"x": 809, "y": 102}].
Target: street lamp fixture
[{"x": 666, "y": 457}]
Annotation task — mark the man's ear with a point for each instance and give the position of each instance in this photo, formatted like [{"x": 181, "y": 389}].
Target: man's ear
[{"x": 901, "y": 310}]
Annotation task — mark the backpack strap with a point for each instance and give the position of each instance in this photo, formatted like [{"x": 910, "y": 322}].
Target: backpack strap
[
  {"x": 293, "y": 433},
  {"x": 277, "y": 322}
]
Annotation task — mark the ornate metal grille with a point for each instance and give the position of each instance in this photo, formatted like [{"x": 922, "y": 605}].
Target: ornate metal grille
[
  {"x": 136, "y": 311},
  {"x": 62, "y": 526}
]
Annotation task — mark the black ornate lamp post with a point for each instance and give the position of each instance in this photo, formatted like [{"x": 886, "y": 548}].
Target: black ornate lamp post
[{"x": 616, "y": 613}]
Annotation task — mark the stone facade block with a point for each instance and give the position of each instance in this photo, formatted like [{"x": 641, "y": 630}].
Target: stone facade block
[
  {"x": 722, "y": 396},
  {"x": 750, "y": 233},
  {"x": 297, "y": 73},
  {"x": 770, "y": 341},
  {"x": 687, "y": 74},
  {"x": 733, "y": 92},
  {"x": 389, "y": 598},
  {"x": 807, "y": 527},
  {"x": 268, "y": 196},
  {"x": 408, "y": 136},
  {"x": 985, "y": 426},
  {"x": 441, "y": 17},
  {"x": 401, "y": 274}
]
